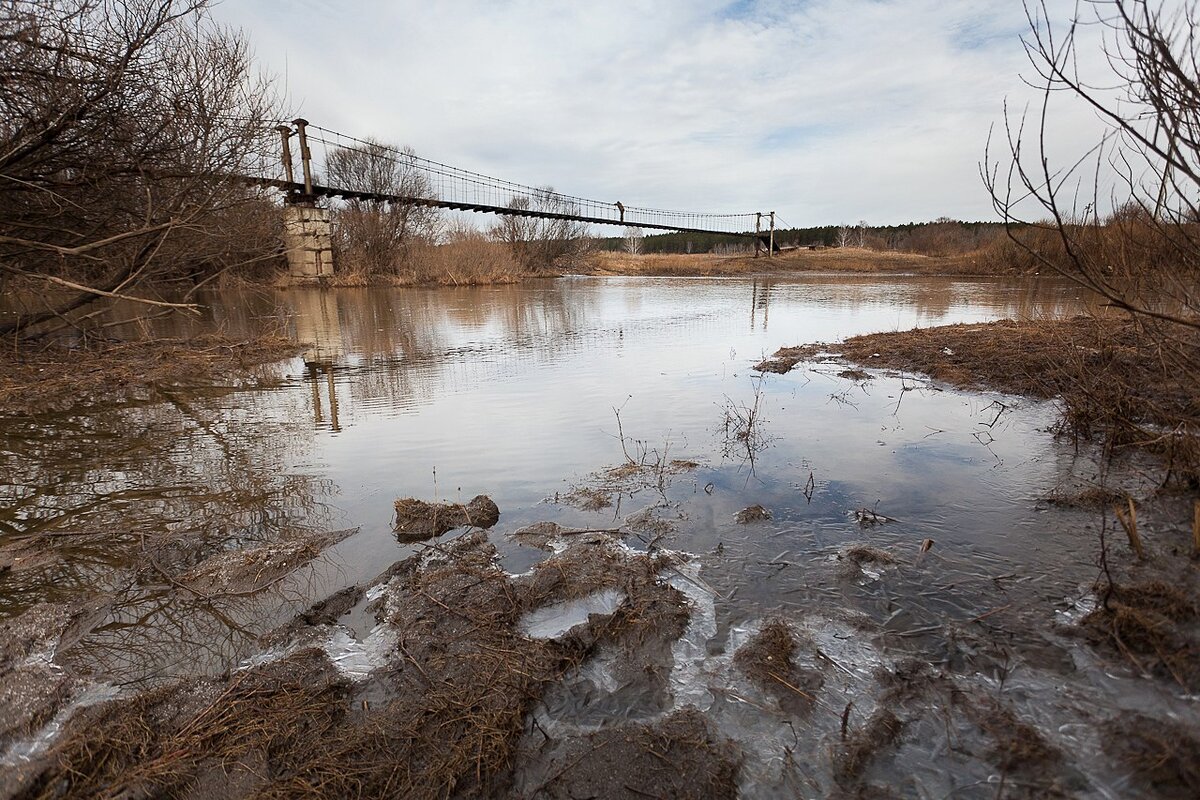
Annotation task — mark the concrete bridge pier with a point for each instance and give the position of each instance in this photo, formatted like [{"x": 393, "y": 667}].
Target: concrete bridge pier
[
  {"x": 307, "y": 232},
  {"x": 308, "y": 238}
]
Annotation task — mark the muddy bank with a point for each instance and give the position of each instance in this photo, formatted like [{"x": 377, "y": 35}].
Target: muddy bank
[
  {"x": 432, "y": 703},
  {"x": 36, "y": 378}
]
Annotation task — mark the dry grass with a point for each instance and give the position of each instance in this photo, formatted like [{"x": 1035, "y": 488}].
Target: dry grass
[
  {"x": 859, "y": 749},
  {"x": 1017, "y": 746},
  {"x": 37, "y": 378},
  {"x": 469, "y": 260},
  {"x": 847, "y": 259}
]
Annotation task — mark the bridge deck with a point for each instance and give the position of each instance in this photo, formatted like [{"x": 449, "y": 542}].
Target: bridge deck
[{"x": 295, "y": 190}]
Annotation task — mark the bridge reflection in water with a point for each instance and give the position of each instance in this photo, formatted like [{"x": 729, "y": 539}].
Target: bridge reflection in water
[{"x": 319, "y": 328}]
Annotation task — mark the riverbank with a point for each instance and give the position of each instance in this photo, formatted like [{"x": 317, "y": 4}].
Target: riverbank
[
  {"x": 692, "y": 582},
  {"x": 844, "y": 259},
  {"x": 492, "y": 265}
]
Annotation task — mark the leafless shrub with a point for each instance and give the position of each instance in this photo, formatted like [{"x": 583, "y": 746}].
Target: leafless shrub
[
  {"x": 538, "y": 243},
  {"x": 376, "y": 239},
  {"x": 466, "y": 257},
  {"x": 742, "y": 427},
  {"x": 1144, "y": 256}
]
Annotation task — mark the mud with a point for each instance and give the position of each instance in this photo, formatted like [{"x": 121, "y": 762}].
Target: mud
[
  {"x": 678, "y": 757},
  {"x": 438, "y": 712},
  {"x": 417, "y": 520}
]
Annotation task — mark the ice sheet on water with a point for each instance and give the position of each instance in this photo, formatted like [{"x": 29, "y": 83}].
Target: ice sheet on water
[
  {"x": 23, "y": 751},
  {"x": 552, "y": 621}
]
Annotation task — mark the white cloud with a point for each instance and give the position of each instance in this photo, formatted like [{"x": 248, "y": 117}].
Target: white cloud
[{"x": 825, "y": 111}]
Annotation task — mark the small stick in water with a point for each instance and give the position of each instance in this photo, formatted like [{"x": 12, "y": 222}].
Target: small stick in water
[
  {"x": 1129, "y": 523},
  {"x": 1196, "y": 529}
]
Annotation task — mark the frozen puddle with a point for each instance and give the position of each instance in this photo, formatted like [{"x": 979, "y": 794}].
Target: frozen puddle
[
  {"x": 550, "y": 622},
  {"x": 358, "y": 659}
]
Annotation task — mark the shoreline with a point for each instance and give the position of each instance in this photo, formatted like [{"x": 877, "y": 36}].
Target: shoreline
[{"x": 848, "y": 261}]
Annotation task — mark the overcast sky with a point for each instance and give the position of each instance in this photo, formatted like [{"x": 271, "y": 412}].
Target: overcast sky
[{"x": 827, "y": 111}]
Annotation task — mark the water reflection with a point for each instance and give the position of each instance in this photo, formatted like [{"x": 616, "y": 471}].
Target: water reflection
[{"x": 111, "y": 504}]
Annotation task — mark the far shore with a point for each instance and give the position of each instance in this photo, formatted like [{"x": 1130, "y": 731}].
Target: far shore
[
  {"x": 842, "y": 259},
  {"x": 848, "y": 260}
]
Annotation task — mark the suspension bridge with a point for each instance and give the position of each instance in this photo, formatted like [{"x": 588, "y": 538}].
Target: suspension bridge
[{"x": 388, "y": 175}]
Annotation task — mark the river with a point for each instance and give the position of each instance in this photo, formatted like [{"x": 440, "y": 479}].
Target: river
[{"x": 527, "y": 393}]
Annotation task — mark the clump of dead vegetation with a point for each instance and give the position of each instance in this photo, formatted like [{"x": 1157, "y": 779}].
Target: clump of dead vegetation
[
  {"x": 1163, "y": 755},
  {"x": 246, "y": 572},
  {"x": 769, "y": 660},
  {"x": 652, "y": 470},
  {"x": 1017, "y": 747},
  {"x": 56, "y": 377},
  {"x": 755, "y": 513},
  {"x": 865, "y": 554},
  {"x": 1093, "y": 497},
  {"x": 859, "y": 748},
  {"x": 1153, "y": 625},
  {"x": 417, "y": 520}
]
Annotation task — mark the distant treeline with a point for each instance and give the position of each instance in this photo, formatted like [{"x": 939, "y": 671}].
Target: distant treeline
[{"x": 940, "y": 237}]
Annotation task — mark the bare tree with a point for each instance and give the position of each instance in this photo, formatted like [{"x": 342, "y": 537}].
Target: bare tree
[
  {"x": 121, "y": 128},
  {"x": 844, "y": 234},
  {"x": 1143, "y": 255},
  {"x": 1122, "y": 219},
  {"x": 633, "y": 240},
  {"x": 861, "y": 233},
  {"x": 539, "y": 242},
  {"x": 370, "y": 237}
]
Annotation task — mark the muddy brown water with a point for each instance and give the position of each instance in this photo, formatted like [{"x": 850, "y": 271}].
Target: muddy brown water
[{"x": 523, "y": 393}]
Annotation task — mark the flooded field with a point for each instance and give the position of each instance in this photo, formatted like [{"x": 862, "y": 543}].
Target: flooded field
[{"x": 856, "y": 577}]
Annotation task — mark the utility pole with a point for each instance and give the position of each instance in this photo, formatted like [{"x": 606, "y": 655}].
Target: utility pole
[
  {"x": 305, "y": 154},
  {"x": 771, "y": 248},
  {"x": 757, "y": 232}
]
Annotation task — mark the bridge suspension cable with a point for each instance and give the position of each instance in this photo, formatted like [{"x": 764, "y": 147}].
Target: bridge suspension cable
[{"x": 424, "y": 181}]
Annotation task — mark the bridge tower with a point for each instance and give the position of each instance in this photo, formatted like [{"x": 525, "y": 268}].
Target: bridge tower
[{"x": 307, "y": 233}]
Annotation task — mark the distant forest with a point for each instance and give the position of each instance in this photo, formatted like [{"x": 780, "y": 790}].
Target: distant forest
[{"x": 942, "y": 237}]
